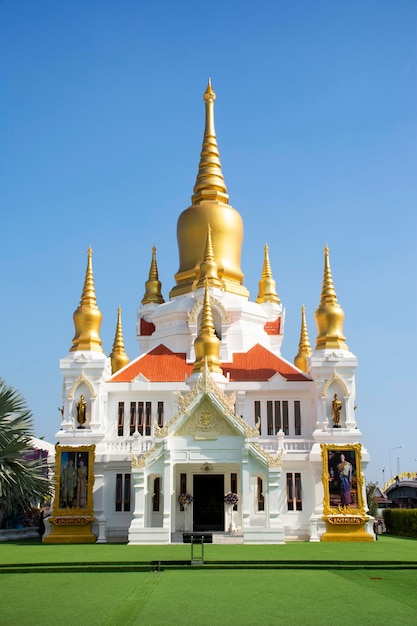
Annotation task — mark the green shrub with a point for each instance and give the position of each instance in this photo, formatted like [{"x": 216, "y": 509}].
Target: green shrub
[{"x": 401, "y": 522}]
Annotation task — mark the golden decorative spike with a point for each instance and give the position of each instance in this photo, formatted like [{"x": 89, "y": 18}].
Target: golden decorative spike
[
  {"x": 207, "y": 344},
  {"x": 210, "y": 183},
  {"x": 118, "y": 355},
  {"x": 208, "y": 268},
  {"x": 304, "y": 347},
  {"x": 267, "y": 285},
  {"x": 87, "y": 318},
  {"x": 329, "y": 316},
  {"x": 153, "y": 284},
  {"x": 210, "y": 206}
]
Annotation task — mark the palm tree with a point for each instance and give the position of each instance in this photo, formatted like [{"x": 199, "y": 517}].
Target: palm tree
[{"x": 23, "y": 483}]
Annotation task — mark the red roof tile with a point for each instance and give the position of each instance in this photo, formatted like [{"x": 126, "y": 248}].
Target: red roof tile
[
  {"x": 159, "y": 365},
  {"x": 274, "y": 327},
  {"x": 163, "y": 365},
  {"x": 259, "y": 364}
]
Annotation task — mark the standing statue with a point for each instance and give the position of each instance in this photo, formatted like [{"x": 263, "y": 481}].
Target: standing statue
[
  {"x": 81, "y": 411},
  {"x": 81, "y": 485},
  {"x": 344, "y": 470},
  {"x": 336, "y": 408},
  {"x": 67, "y": 484}
]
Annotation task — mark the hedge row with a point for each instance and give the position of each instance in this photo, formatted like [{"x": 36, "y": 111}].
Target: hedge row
[{"x": 401, "y": 522}]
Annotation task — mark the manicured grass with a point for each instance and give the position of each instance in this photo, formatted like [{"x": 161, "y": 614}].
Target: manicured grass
[
  {"x": 387, "y": 548},
  {"x": 206, "y": 596},
  {"x": 200, "y": 597}
]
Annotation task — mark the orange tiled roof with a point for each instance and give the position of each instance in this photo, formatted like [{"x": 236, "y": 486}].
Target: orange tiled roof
[
  {"x": 163, "y": 365},
  {"x": 160, "y": 365},
  {"x": 259, "y": 364}
]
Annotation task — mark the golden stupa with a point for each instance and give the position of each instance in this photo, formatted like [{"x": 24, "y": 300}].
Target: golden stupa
[{"x": 210, "y": 208}]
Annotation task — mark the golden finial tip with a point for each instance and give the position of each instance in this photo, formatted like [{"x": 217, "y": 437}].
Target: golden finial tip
[{"x": 209, "y": 95}]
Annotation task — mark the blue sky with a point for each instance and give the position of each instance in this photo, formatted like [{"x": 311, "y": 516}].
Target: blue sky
[{"x": 101, "y": 122}]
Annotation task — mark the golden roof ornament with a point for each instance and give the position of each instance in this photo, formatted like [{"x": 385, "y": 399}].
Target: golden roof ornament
[
  {"x": 153, "y": 284},
  {"x": 267, "y": 285},
  {"x": 118, "y": 355},
  {"x": 329, "y": 315},
  {"x": 208, "y": 268},
  {"x": 87, "y": 318},
  {"x": 304, "y": 347},
  {"x": 210, "y": 206},
  {"x": 207, "y": 344}
]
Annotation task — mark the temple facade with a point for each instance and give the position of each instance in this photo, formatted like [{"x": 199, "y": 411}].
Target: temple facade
[{"x": 210, "y": 428}]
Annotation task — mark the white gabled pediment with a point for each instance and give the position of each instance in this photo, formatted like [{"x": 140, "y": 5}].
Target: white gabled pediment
[
  {"x": 206, "y": 413},
  {"x": 208, "y": 421}
]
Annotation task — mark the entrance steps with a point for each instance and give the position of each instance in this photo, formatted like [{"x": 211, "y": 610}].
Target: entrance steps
[{"x": 218, "y": 538}]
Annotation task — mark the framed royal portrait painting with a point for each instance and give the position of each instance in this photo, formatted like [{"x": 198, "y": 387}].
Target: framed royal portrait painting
[
  {"x": 74, "y": 478},
  {"x": 342, "y": 479}
]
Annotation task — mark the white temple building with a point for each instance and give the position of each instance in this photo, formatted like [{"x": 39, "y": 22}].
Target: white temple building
[{"x": 209, "y": 405}]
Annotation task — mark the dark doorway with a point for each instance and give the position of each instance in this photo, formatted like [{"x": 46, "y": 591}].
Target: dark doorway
[{"x": 208, "y": 505}]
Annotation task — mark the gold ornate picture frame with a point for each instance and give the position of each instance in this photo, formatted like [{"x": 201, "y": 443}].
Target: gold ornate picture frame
[
  {"x": 74, "y": 480},
  {"x": 342, "y": 479}
]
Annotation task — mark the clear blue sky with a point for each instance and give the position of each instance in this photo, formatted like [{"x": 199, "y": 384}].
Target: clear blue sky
[{"x": 101, "y": 122}]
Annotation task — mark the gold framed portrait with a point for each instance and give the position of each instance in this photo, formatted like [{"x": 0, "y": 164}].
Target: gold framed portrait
[
  {"x": 342, "y": 479},
  {"x": 74, "y": 480}
]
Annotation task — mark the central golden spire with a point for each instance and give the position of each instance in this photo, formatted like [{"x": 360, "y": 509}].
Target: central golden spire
[
  {"x": 210, "y": 183},
  {"x": 207, "y": 344},
  {"x": 87, "y": 318},
  {"x": 210, "y": 207},
  {"x": 329, "y": 316}
]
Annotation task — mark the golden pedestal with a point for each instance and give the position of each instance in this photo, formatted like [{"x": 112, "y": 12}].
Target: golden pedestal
[
  {"x": 346, "y": 528},
  {"x": 71, "y": 529}
]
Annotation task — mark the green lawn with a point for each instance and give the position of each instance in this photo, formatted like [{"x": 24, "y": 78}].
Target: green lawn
[{"x": 200, "y": 596}]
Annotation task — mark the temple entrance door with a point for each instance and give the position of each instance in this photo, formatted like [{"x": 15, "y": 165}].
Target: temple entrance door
[{"x": 208, "y": 505}]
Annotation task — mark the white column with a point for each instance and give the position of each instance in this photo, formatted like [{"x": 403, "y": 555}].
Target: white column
[
  {"x": 246, "y": 491},
  {"x": 138, "y": 521},
  {"x": 274, "y": 474},
  {"x": 101, "y": 519},
  {"x": 167, "y": 491}
]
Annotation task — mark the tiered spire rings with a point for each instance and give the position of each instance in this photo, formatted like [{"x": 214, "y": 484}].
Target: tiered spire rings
[
  {"x": 329, "y": 315},
  {"x": 118, "y": 355},
  {"x": 153, "y": 284},
  {"x": 304, "y": 347},
  {"x": 87, "y": 318},
  {"x": 267, "y": 285}
]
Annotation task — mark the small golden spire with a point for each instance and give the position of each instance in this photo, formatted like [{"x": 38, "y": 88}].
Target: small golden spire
[
  {"x": 87, "y": 318},
  {"x": 329, "y": 316},
  {"x": 153, "y": 284},
  {"x": 210, "y": 183},
  {"x": 207, "y": 344},
  {"x": 267, "y": 286},
  {"x": 118, "y": 355},
  {"x": 304, "y": 347},
  {"x": 208, "y": 268}
]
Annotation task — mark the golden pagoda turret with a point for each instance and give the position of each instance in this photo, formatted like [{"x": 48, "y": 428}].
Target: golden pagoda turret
[
  {"x": 118, "y": 355},
  {"x": 153, "y": 284},
  {"x": 210, "y": 206},
  {"x": 329, "y": 316},
  {"x": 87, "y": 318},
  {"x": 267, "y": 285},
  {"x": 304, "y": 347},
  {"x": 208, "y": 268},
  {"x": 207, "y": 344}
]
